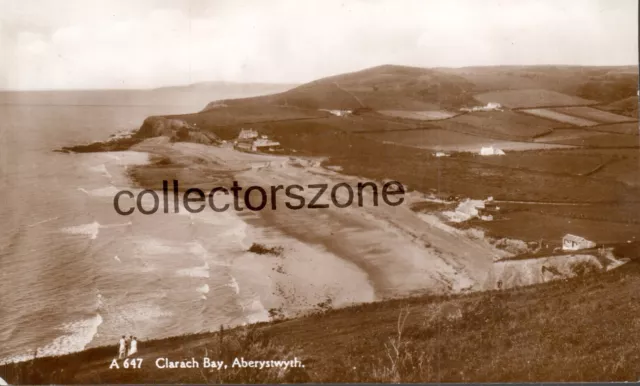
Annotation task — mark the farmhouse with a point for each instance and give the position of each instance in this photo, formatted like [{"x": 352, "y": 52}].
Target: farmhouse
[
  {"x": 491, "y": 106},
  {"x": 574, "y": 243},
  {"x": 250, "y": 140},
  {"x": 490, "y": 150},
  {"x": 247, "y": 134},
  {"x": 262, "y": 144},
  {"x": 338, "y": 113}
]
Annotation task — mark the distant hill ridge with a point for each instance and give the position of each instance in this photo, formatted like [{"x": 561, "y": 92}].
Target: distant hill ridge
[{"x": 415, "y": 88}]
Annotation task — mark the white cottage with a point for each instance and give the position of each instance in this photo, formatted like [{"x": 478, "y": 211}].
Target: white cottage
[
  {"x": 490, "y": 150},
  {"x": 574, "y": 243}
]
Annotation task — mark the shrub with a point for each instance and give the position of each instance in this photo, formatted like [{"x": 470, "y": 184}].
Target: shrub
[{"x": 262, "y": 249}]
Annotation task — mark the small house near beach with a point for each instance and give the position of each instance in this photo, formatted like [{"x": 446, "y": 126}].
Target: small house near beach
[{"x": 575, "y": 243}]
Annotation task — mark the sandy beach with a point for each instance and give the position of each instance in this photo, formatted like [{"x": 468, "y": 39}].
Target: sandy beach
[{"x": 345, "y": 255}]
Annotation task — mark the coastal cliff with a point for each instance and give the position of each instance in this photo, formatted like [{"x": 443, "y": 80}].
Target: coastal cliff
[{"x": 175, "y": 129}]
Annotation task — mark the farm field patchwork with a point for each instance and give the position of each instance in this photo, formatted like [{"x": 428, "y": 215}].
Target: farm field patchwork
[
  {"x": 499, "y": 124},
  {"x": 357, "y": 123},
  {"x": 426, "y": 115},
  {"x": 556, "y": 162},
  {"x": 624, "y": 170},
  {"x": 630, "y": 128},
  {"x": 531, "y": 98},
  {"x": 594, "y": 114},
  {"x": 565, "y": 134},
  {"x": 590, "y": 139},
  {"x": 525, "y": 225},
  {"x": 446, "y": 140},
  {"x": 560, "y": 117}
]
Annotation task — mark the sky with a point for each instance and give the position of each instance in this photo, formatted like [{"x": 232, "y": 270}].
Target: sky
[{"x": 94, "y": 44}]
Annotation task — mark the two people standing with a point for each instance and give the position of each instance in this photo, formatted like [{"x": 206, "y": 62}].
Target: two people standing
[{"x": 127, "y": 346}]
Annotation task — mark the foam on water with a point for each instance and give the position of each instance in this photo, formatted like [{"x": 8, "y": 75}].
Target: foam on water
[
  {"x": 136, "y": 317},
  {"x": 203, "y": 289},
  {"x": 125, "y": 158},
  {"x": 91, "y": 230},
  {"x": 255, "y": 312},
  {"x": 202, "y": 271},
  {"x": 107, "y": 191},
  {"x": 234, "y": 285},
  {"x": 43, "y": 222},
  {"x": 158, "y": 247},
  {"x": 101, "y": 169},
  {"x": 75, "y": 337}
]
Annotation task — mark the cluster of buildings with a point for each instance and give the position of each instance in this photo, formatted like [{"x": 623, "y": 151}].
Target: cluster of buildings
[
  {"x": 250, "y": 140},
  {"x": 491, "y": 106}
]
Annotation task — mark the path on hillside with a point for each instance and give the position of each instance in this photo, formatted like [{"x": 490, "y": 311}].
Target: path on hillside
[{"x": 348, "y": 92}]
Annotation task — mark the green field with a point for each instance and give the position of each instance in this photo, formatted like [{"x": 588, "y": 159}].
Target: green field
[
  {"x": 592, "y": 139},
  {"x": 571, "y": 162},
  {"x": 562, "y": 118},
  {"x": 532, "y": 98},
  {"x": 593, "y": 114},
  {"x": 499, "y": 124},
  {"x": 427, "y": 115}
]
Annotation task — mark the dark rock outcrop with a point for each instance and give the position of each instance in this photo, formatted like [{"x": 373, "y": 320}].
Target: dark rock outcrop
[{"x": 176, "y": 129}]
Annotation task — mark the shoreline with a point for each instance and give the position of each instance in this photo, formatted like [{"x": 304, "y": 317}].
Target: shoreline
[
  {"x": 456, "y": 317},
  {"x": 194, "y": 163}
]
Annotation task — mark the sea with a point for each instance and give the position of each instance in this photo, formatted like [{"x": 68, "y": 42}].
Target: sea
[{"x": 73, "y": 273}]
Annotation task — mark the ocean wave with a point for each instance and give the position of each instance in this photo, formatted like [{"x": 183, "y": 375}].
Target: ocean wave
[
  {"x": 202, "y": 271},
  {"x": 102, "y": 168},
  {"x": 234, "y": 285},
  {"x": 158, "y": 247},
  {"x": 79, "y": 335},
  {"x": 91, "y": 229},
  {"x": 137, "y": 312},
  {"x": 107, "y": 191},
  {"x": 203, "y": 289},
  {"x": 43, "y": 222},
  {"x": 255, "y": 312},
  {"x": 128, "y": 157},
  {"x": 76, "y": 336}
]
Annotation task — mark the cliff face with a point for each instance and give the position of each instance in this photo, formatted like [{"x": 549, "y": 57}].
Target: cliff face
[
  {"x": 177, "y": 130},
  {"x": 174, "y": 129}
]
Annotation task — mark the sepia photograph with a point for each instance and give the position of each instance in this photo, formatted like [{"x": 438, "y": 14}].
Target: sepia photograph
[{"x": 319, "y": 191}]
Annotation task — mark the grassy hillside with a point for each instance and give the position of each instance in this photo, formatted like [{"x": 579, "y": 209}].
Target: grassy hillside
[
  {"x": 582, "y": 329},
  {"x": 627, "y": 106},
  {"x": 604, "y": 84},
  {"x": 409, "y": 88},
  {"x": 414, "y": 88}
]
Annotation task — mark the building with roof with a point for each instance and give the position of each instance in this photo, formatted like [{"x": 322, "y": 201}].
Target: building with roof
[
  {"x": 575, "y": 243},
  {"x": 490, "y": 150},
  {"x": 247, "y": 134}
]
